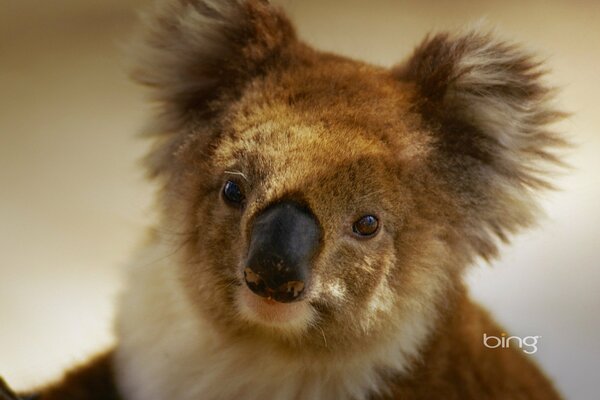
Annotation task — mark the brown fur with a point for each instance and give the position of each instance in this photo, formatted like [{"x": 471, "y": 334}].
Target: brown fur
[
  {"x": 92, "y": 381},
  {"x": 446, "y": 149}
]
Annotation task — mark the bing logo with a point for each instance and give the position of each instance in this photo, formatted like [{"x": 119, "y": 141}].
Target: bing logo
[{"x": 528, "y": 343}]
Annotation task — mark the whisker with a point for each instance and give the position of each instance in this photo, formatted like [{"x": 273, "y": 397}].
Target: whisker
[
  {"x": 239, "y": 173},
  {"x": 324, "y": 338}
]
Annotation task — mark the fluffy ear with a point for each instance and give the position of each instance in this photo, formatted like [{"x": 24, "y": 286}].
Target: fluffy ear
[
  {"x": 489, "y": 111},
  {"x": 197, "y": 55}
]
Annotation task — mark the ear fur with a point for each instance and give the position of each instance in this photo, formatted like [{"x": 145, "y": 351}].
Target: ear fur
[
  {"x": 197, "y": 55},
  {"x": 489, "y": 109}
]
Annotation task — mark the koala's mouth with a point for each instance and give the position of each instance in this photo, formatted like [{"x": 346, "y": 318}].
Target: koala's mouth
[{"x": 265, "y": 311}]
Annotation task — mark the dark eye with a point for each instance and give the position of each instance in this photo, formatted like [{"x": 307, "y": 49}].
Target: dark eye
[
  {"x": 232, "y": 193},
  {"x": 366, "y": 226}
]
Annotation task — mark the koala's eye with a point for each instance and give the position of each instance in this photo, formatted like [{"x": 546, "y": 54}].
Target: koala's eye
[
  {"x": 366, "y": 226},
  {"x": 232, "y": 193}
]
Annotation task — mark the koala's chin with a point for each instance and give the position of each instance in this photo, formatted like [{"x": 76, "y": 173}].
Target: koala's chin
[{"x": 318, "y": 214}]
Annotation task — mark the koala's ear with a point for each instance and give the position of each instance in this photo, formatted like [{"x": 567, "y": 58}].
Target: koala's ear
[
  {"x": 488, "y": 109},
  {"x": 193, "y": 51},
  {"x": 197, "y": 55}
]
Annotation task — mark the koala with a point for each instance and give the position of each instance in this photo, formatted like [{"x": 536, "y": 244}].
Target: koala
[{"x": 318, "y": 214}]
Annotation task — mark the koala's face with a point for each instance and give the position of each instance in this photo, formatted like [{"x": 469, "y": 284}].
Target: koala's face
[
  {"x": 309, "y": 196},
  {"x": 310, "y": 221}
]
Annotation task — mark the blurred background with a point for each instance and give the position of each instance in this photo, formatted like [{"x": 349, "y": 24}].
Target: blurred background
[{"x": 74, "y": 202}]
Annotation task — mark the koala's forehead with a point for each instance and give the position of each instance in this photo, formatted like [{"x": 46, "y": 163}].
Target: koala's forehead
[
  {"x": 328, "y": 108},
  {"x": 338, "y": 93},
  {"x": 294, "y": 151}
]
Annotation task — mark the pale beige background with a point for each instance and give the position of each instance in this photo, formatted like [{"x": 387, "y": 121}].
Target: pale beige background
[{"x": 73, "y": 202}]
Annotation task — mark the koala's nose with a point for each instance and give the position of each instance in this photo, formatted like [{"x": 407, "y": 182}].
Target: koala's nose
[{"x": 283, "y": 241}]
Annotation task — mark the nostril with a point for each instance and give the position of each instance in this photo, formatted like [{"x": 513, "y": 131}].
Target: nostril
[
  {"x": 291, "y": 289},
  {"x": 252, "y": 277},
  {"x": 255, "y": 282}
]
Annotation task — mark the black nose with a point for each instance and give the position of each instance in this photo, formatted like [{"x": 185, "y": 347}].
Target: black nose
[{"x": 283, "y": 242}]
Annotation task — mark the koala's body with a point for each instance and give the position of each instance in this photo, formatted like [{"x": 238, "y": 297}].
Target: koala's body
[{"x": 318, "y": 214}]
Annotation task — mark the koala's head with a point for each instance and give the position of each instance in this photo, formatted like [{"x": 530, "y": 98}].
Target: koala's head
[{"x": 312, "y": 197}]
